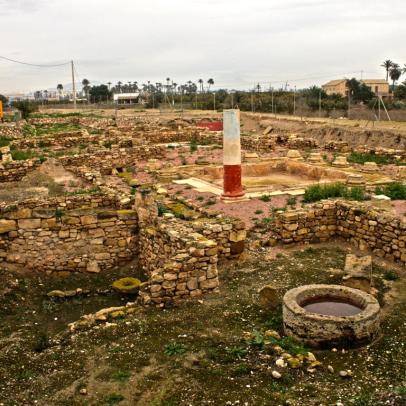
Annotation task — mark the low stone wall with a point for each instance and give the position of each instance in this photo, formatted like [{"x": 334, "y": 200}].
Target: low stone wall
[
  {"x": 10, "y": 131},
  {"x": 178, "y": 262},
  {"x": 15, "y": 170},
  {"x": 49, "y": 239},
  {"x": 365, "y": 227},
  {"x": 106, "y": 160},
  {"x": 229, "y": 234},
  {"x": 96, "y": 200}
]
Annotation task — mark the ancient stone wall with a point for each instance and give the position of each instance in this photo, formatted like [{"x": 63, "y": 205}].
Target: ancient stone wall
[
  {"x": 106, "y": 160},
  {"x": 365, "y": 227},
  {"x": 15, "y": 170},
  {"x": 178, "y": 262},
  {"x": 52, "y": 239}
]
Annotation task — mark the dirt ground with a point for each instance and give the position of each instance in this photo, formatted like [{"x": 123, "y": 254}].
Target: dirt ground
[{"x": 203, "y": 352}]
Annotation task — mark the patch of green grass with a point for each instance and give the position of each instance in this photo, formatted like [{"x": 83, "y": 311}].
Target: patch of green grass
[
  {"x": 22, "y": 155},
  {"x": 362, "y": 399},
  {"x": 395, "y": 190},
  {"x": 275, "y": 321},
  {"x": 4, "y": 142},
  {"x": 174, "y": 349},
  {"x": 237, "y": 352},
  {"x": 390, "y": 276},
  {"x": 121, "y": 376},
  {"x": 361, "y": 158},
  {"x": 116, "y": 349},
  {"x": 242, "y": 369},
  {"x": 259, "y": 211},
  {"x": 114, "y": 398},
  {"x": 55, "y": 128}
]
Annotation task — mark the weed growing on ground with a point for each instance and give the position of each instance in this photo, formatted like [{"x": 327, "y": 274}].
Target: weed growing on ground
[
  {"x": 42, "y": 342},
  {"x": 174, "y": 349},
  {"x": 265, "y": 198},
  {"x": 121, "y": 376},
  {"x": 193, "y": 146},
  {"x": 237, "y": 352},
  {"x": 114, "y": 398}
]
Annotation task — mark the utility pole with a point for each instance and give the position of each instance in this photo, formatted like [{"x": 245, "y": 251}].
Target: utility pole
[
  {"x": 214, "y": 101},
  {"x": 252, "y": 102},
  {"x": 73, "y": 85},
  {"x": 294, "y": 101}
]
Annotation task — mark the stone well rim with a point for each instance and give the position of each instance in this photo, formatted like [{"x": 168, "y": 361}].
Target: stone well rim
[{"x": 370, "y": 307}]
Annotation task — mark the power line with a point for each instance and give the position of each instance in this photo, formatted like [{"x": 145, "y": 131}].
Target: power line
[{"x": 33, "y": 64}]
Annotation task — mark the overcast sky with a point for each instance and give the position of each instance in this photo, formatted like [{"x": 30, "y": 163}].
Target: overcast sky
[{"x": 235, "y": 42}]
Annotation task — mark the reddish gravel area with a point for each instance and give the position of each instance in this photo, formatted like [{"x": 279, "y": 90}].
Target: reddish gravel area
[
  {"x": 249, "y": 211},
  {"x": 399, "y": 207}
]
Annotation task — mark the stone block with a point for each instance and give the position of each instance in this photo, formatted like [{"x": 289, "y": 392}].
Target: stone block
[
  {"x": 29, "y": 224},
  {"x": 7, "y": 226}
]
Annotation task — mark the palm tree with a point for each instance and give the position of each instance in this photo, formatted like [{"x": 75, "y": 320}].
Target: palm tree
[
  {"x": 387, "y": 65},
  {"x": 404, "y": 68},
  {"x": 119, "y": 83},
  {"x": 200, "y": 81},
  {"x": 59, "y": 88},
  {"x": 109, "y": 84},
  {"x": 135, "y": 84},
  {"x": 395, "y": 73},
  {"x": 210, "y": 83},
  {"x": 86, "y": 87},
  {"x": 167, "y": 84}
]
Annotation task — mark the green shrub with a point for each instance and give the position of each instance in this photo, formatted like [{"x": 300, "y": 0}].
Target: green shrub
[
  {"x": 26, "y": 107},
  {"x": 395, "y": 190},
  {"x": 315, "y": 193},
  {"x": 42, "y": 342},
  {"x": 259, "y": 211},
  {"x": 291, "y": 201},
  {"x": 356, "y": 193},
  {"x": 361, "y": 158},
  {"x": 193, "y": 146},
  {"x": 390, "y": 276},
  {"x": 265, "y": 198}
]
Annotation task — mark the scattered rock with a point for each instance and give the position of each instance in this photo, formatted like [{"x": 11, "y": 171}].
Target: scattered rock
[
  {"x": 276, "y": 375},
  {"x": 269, "y": 297}
]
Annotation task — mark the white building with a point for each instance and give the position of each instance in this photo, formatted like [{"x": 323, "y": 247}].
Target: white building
[{"x": 126, "y": 98}]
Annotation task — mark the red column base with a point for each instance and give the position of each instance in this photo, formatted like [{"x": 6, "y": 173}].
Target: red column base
[{"x": 232, "y": 187}]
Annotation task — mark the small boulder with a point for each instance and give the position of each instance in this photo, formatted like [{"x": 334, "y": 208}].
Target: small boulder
[{"x": 269, "y": 297}]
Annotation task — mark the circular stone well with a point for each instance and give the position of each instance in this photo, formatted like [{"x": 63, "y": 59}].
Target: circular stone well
[{"x": 311, "y": 316}]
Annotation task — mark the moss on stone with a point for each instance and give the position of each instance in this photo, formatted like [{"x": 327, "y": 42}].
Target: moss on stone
[{"x": 127, "y": 285}]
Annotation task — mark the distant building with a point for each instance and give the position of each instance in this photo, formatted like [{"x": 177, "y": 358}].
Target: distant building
[
  {"x": 338, "y": 86},
  {"x": 126, "y": 98},
  {"x": 377, "y": 86}
]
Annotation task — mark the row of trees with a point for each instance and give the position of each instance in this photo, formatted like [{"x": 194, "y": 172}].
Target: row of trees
[{"x": 393, "y": 71}]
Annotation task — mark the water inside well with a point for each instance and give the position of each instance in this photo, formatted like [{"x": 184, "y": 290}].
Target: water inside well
[{"x": 331, "y": 307}]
